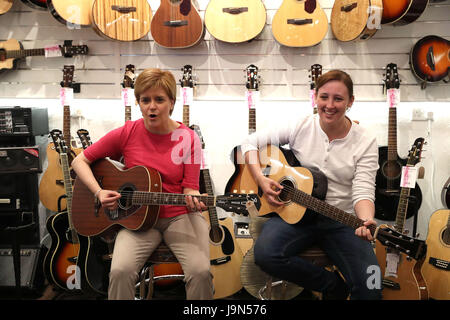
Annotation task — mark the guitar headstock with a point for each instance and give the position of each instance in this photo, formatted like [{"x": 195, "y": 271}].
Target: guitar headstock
[
  {"x": 58, "y": 141},
  {"x": 413, "y": 247},
  {"x": 197, "y": 130},
  {"x": 129, "y": 76},
  {"x": 85, "y": 139},
  {"x": 415, "y": 154},
  {"x": 68, "y": 50},
  {"x": 391, "y": 79},
  {"x": 315, "y": 73},
  {"x": 253, "y": 81},
  {"x": 187, "y": 80},
  {"x": 68, "y": 72},
  {"x": 237, "y": 202}
]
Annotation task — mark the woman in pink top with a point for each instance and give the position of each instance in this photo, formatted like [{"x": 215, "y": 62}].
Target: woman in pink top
[{"x": 173, "y": 150}]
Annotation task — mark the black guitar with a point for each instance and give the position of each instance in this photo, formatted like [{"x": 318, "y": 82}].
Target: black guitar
[{"x": 388, "y": 175}]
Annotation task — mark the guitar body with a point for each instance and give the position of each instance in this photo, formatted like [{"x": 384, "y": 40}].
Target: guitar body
[
  {"x": 177, "y": 24},
  {"x": 122, "y": 20},
  {"x": 90, "y": 219},
  {"x": 77, "y": 13},
  {"x": 296, "y": 25},
  {"x": 60, "y": 260},
  {"x": 235, "y": 21},
  {"x": 402, "y": 12},
  {"x": 430, "y": 58},
  {"x": 354, "y": 20},
  {"x": 436, "y": 269},
  {"x": 5, "y": 6},
  {"x": 36, "y": 4},
  {"x": 386, "y": 203},
  {"x": 51, "y": 187},
  {"x": 409, "y": 278},
  {"x": 241, "y": 181},
  {"x": 226, "y": 259},
  {"x": 9, "y": 45}
]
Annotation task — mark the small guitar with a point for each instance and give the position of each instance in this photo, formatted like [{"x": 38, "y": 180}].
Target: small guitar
[
  {"x": 51, "y": 187},
  {"x": 5, "y": 6},
  {"x": 402, "y": 12},
  {"x": 11, "y": 51},
  {"x": 121, "y": 20},
  {"x": 436, "y": 268},
  {"x": 61, "y": 260},
  {"x": 128, "y": 83},
  {"x": 402, "y": 279},
  {"x": 356, "y": 19},
  {"x": 299, "y": 23},
  {"x": 141, "y": 196},
  {"x": 315, "y": 73},
  {"x": 36, "y": 4},
  {"x": 388, "y": 175},
  {"x": 430, "y": 59},
  {"x": 177, "y": 24},
  {"x": 73, "y": 13},
  {"x": 235, "y": 21},
  {"x": 225, "y": 256}
]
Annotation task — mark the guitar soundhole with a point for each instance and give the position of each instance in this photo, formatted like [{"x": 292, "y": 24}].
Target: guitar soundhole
[
  {"x": 126, "y": 200},
  {"x": 2, "y": 55},
  {"x": 391, "y": 169},
  {"x": 287, "y": 191},
  {"x": 216, "y": 235},
  {"x": 446, "y": 236}
]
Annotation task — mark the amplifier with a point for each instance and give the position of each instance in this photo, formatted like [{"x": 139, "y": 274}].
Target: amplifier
[
  {"x": 20, "y": 160},
  {"x": 17, "y": 121},
  {"x": 30, "y": 271}
]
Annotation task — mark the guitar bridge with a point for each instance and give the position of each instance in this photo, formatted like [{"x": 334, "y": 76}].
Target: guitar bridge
[
  {"x": 235, "y": 10},
  {"x": 219, "y": 261},
  {"x": 390, "y": 284},
  {"x": 440, "y": 264},
  {"x": 175, "y": 23}
]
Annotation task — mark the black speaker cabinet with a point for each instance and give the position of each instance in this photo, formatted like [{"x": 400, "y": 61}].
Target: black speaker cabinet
[
  {"x": 18, "y": 192},
  {"x": 20, "y": 159}
]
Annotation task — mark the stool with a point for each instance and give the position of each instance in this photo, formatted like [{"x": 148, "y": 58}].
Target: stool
[
  {"x": 315, "y": 255},
  {"x": 162, "y": 254}
]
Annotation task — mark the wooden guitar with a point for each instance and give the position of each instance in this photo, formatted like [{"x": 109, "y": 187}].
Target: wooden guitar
[
  {"x": 235, "y": 21},
  {"x": 122, "y": 20},
  {"x": 128, "y": 83},
  {"x": 177, "y": 24},
  {"x": 60, "y": 262},
  {"x": 402, "y": 277},
  {"x": 141, "y": 196},
  {"x": 356, "y": 19},
  {"x": 5, "y": 6},
  {"x": 299, "y": 23},
  {"x": 430, "y": 59},
  {"x": 51, "y": 187},
  {"x": 388, "y": 175},
  {"x": 402, "y": 12},
  {"x": 36, "y": 4},
  {"x": 225, "y": 256},
  {"x": 436, "y": 268},
  {"x": 12, "y": 50},
  {"x": 73, "y": 13},
  {"x": 315, "y": 73}
]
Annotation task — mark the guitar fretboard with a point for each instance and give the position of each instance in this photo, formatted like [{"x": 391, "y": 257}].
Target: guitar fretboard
[
  {"x": 251, "y": 120},
  {"x": 401, "y": 209},
  {"x": 213, "y": 220},
  {"x": 161, "y": 198},
  {"x": 24, "y": 53},
  {"x": 186, "y": 116},
  {"x": 68, "y": 190},
  {"x": 127, "y": 113},
  {"x": 392, "y": 135}
]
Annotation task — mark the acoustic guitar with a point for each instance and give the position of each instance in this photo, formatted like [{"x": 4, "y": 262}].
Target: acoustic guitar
[
  {"x": 5, "y": 6},
  {"x": 140, "y": 189},
  {"x": 122, "y": 20},
  {"x": 51, "y": 187},
  {"x": 389, "y": 173},
  {"x": 356, "y": 19},
  {"x": 177, "y": 24},
  {"x": 314, "y": 73},
  {"x": 436, "y": 268},
  {"x": 235, "y": 21},
  {"x": 401, "y": 12},
  {"x": 36, "y": 4},
  {"x": 128, "y": 83},
  {"x": 430, "y": 59},
  {"x": 60, "y": 262},
  {"x": 402, "y": 277},
  {"x": 73, "y": 13},
  {"x": 299, "y": 23},
  {"x": 12, "y": 50}
]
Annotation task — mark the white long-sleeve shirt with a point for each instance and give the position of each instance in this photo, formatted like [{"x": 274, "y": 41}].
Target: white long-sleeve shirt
[{"x": 350, "y": 163}]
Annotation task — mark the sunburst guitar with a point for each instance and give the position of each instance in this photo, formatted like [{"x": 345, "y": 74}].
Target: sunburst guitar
[
  {"x": 299, "y": 23},
  {"x": 356, "y": 19},
  {"x": 73, "y": 13},
  {"x": 122, "y": 20},
  {"x": 402, "y": 12},
  {"x": 235, "y": 21},
  {"x": 177, "y": 24},
  {"x": 436, "y": 268}
]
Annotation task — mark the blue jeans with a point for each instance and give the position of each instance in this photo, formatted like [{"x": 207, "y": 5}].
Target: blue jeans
[{"x": 278, "y": 245}]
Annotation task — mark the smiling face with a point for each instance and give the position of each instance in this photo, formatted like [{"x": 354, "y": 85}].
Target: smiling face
[{"x": 156, "y": 107}]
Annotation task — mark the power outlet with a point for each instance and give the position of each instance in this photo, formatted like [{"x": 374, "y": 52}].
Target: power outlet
[{"x": 418, "y": 114}]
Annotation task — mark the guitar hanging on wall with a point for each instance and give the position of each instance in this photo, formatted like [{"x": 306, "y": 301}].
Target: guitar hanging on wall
[
  {"x": 72, "y": 13},
  {"x": 177, "y": 24},
  {"x": 5, "y": 6},
  {"x": 389, "y": 174},
  {"x": 36, "y": 4},
  {"x": 314, "y": 73},
  {"x": 401, "y": 12},
  {"x": 127, "y": 84}
]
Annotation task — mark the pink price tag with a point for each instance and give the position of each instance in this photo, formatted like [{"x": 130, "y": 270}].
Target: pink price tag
[
  {"x": 393, "y": 97},
  {"x": 66, "y": 96},
  {"x": 409, "y": 177},
  {"x": 187, "y": 95},
  {"x": 127, "y": 96},
  {"x": 312, "y": 98},
  {"x": 204, "y": 164},
  {"x": 252, "y": 99},
  {"x": 52, "y": 51}
]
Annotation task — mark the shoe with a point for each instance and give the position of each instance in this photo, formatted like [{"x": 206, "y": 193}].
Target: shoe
[{"x": 339, "y": 291}]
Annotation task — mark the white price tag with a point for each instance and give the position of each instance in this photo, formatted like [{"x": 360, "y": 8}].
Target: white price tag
[
  {"x": 393, "y": 96},
  {"x": 52, "y": 51},
  {"x": 66, "y": 96},
  {"x": 127, "y": 96},
  {"x": 252, "y": 98},
  {"x": 409, "y": 177},
  {"x": 375, "y": 15},
  {"x": 392, "y": 260},
  {"x": 187, "y": 95}
]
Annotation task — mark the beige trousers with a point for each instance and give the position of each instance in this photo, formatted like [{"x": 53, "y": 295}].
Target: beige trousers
[{"x": 186, "y": 236}]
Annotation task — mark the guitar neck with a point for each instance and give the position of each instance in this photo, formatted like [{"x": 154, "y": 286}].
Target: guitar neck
[
  {"x": 401, "y": 209},
  {"x": 17, "y": 54},
  {"x": 251, "y": 120},
  {"x": 66, "y": 125},
  {"x": 213, "y": 220},
  {"x": 186, "y": 116},
  {"x": 127, "y": 113},
  {"x": 161, "y": 198},
  {"x": 68, "y": 190},
  {"x": 392, "y": 134}
]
